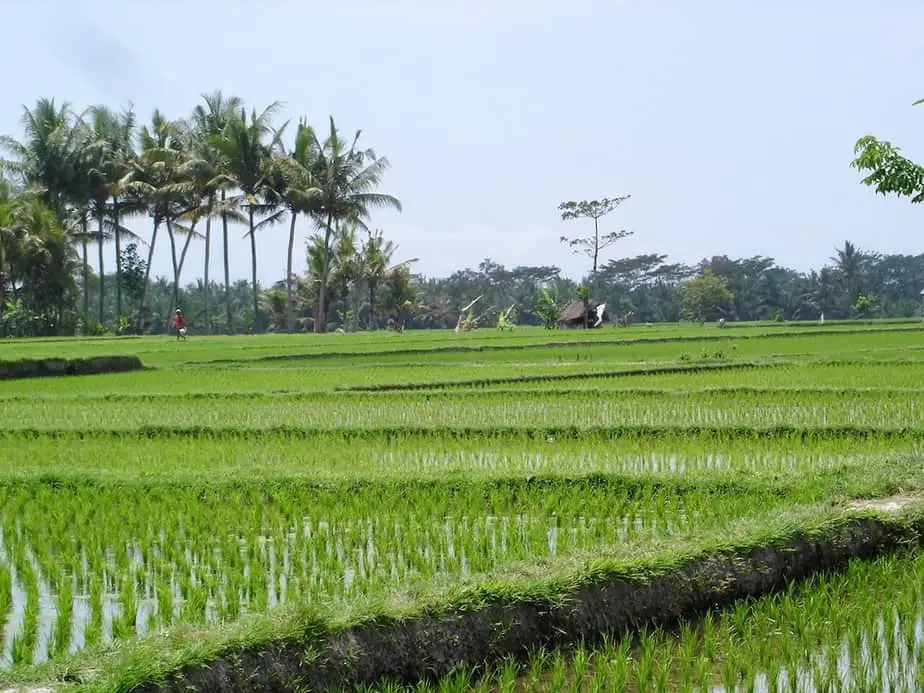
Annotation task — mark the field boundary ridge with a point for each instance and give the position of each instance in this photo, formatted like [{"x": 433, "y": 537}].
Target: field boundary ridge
[
  {"x": 552, "y": 377},
  {"x": 463, "y": 394},
  {"x": 54, "y": 367},
  {"x": 557, "y": 344},
  {"x": 319, "y": 650},
  {"x": 514, "y": 433}
]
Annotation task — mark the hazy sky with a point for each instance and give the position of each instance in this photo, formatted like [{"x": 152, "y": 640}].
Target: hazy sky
[{"x": 730, "y": 123}]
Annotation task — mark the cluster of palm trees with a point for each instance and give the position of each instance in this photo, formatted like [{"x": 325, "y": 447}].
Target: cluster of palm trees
[{"x": 221, "y": 164}]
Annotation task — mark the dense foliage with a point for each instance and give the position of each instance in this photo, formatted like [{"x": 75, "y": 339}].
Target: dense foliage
[
  {"x": 73, "y": 179},
  {"x": 70, "y": 182}
]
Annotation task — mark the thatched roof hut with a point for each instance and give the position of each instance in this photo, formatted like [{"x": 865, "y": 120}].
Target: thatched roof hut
[{"x": 573, "y": 314}]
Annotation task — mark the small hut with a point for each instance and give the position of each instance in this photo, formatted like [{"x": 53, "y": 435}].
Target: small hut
[{"x": 575, "y": 315}]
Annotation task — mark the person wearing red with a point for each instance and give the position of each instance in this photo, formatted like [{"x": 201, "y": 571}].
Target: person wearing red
[{"x": 179, "y": 324}]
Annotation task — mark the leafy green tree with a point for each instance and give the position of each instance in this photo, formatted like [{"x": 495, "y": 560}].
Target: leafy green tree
[
  {"x": 888, "y": 171},
  {"x": 865, "y": 306},
  {"x": 133, "y": 272},
  {"x": 704, "y": 295},
  {"x": 592, "y": 245}
]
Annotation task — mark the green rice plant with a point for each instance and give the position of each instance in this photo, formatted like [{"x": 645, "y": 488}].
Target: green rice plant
[
  {"x": 537, "y": 662},
  {"x": 508, "y": 673},
  {"x": 580, "y": 661},
  {"x": 245, "y": 474},
  {"x": 6, "y": 594},
  {"x": 331, "y": 457},
  {"x": 458, "y": 682},
  {"x": 64, "y": 608},
  {"x": 644, "y": 660},
  {"x": 664, "y": 666},
  {"x": 309, "y": 542},
  {"x": 889, "y": 410}
]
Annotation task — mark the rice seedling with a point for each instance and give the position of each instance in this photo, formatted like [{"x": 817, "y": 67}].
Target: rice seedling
[
  {"x": 760, "y": 409},
  {"x": 153, "y": 557},
  {"x": 333, "y": 457}
]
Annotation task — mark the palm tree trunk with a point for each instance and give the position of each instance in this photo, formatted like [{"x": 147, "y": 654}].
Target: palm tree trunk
[
  {"x": 102, "y": 271},
  {"x": 290, "y": 302},
  {"x": 118, "y": 250},
  {"x": 320, "y": 320},
  {"x": 3, "y": 289},
  {"x": 176, "y": 271},
  {"x": 593, "y": 278},
  {"x": 253, "y": 270},
  {"x": 86, "y": 278},
  {"x": 147, "y": 274},
  {"x": 371, "y": 306},
  {"x": 224, "y": 233},
  {"x": 189, "y": 237},
  {"x": 205, "y": 269}
]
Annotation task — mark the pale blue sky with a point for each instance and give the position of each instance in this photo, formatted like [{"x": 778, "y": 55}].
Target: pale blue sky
[{"x": 731, "y": 123}]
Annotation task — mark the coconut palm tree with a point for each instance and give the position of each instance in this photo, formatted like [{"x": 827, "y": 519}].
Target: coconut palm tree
[
  {"x": 294, "y": 183},
  {"x": 376, "y": 264},
  {"x": 852, "y": 265},
  {"x": 50, "y": 161},
  {"x": 248, "y": 154},
  {"x": 158, "y": 179},
  {"x": 209, "y": 121},
  {"x": 111, "y": 155},
  {"x": 348, "y": 178},
  {"x": 346, "y": 272},
  {"x": 7, "y": 238}
]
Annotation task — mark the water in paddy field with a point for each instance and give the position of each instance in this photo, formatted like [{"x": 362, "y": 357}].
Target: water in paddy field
[
  {"x": 886, "y": 659},
  {"x": 611, "y": 462},
  {"x": 874, "y": 660},
  {"x": 315, "y": 560}
]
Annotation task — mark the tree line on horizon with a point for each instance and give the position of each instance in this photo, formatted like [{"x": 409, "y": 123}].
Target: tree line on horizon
[
  {"x": 73, "y": 179},
  {"x": 854, "y": 283}
]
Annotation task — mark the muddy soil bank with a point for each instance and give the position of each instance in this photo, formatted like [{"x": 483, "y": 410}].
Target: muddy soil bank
[
  {"x": 432, "y": 642},
  {"x": 45, "y": 368}
]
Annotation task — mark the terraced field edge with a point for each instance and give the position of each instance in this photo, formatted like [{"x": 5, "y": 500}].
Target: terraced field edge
[
  {"x": 549, "y": 434},
  {"x": 45, "y": 368},
  {"x": 809, "y": 330},
  {"x": 551, "y": 377},
  {"x": 317, "y": 651}
]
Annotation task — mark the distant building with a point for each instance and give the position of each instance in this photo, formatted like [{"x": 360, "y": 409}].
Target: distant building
[{"x": 575, "y": 315}]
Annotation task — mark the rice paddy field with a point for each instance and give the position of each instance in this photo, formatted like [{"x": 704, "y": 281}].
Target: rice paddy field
[{"x": 239, "y": 479}]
